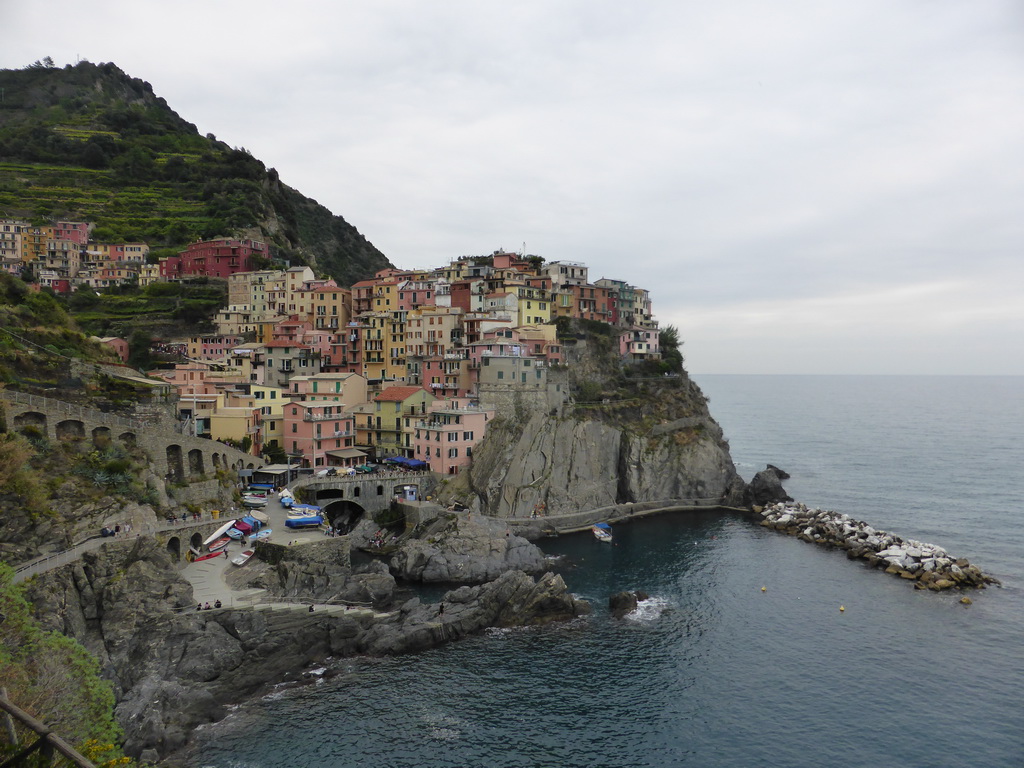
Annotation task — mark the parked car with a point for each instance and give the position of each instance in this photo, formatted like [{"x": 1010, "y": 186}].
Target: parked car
[{"x": 328, "y": 472}]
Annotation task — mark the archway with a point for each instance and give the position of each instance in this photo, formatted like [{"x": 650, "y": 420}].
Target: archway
[
  {"x": 34, "y": 421},
  {"x": 343, "y": 515},
  {"x": 174, "y": 547},
  {"x": 216, "y": 461},
  {"x": 70, "y": 429},
  {"x": 101, "y": 437},
  {"x": 175, "y": 467},
  {"x": 196, "y": 542},
  {"x": 195, "y": 462},
  {"x": 127, "y": 440}
]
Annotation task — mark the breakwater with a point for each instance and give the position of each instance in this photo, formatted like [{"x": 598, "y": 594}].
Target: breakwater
[{"x": 929, "y": 566}]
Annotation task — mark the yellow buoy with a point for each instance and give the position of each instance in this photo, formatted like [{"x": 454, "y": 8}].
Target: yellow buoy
[
  {"x": 842, "y": 608},
  {"x": 764, "y": 589}
]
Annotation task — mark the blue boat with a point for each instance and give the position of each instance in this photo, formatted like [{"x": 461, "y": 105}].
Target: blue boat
[
  {"x": 234, "y": 533},
  {"x": 601, "y": 531},
  {"x": 304, "y": 522},
  {"x": 264, "y": 534}
]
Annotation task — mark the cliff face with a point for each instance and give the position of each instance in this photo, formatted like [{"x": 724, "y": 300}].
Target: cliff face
[{"x": 658, "y": 443}]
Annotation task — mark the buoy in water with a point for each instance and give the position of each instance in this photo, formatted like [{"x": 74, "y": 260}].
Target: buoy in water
[
  {"x": 842, "y": 608},
  {"x": 764, "y": 589}
]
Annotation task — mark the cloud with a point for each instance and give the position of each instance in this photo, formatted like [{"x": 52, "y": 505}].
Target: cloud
[{"x": 839, "y": 172}]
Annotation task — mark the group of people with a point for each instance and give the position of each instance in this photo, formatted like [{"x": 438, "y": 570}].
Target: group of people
[
  {"x": 380, "y": 539},
  {"x": 201, "y": 607}
]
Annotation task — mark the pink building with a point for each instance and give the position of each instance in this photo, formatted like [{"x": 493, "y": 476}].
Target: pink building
[
  {"x": 447, "y": 434},
  {"x": 120, "y": 346},
  {"x": 214, "y": 258},
  {"x": 320, "y": 434},
  {"x": 75, "y": 231},
  {"x": 640, "y": 344}
]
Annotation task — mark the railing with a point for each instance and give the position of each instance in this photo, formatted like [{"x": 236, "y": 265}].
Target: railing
[
  {"x": 71, "y": 410},
  {"x": 323, "y": 416},
  {"x": 46, "y": 744}
]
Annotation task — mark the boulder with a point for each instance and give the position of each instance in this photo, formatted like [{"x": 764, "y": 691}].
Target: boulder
[
  {"x": 766, "y": 487},
  {"x": 467, "y": 551},
  {"x": 622, "y": 603}
]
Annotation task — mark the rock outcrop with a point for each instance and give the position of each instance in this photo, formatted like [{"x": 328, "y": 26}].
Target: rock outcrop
[
  {"x": 514, "y": 599},
  {"x": 766, "y": 488},
  {"x": 661, "y": 444},
  {"x": 175, "y": 668},
  {"x": 466, "y": 549},
  {"x": 622, "y": 603}
]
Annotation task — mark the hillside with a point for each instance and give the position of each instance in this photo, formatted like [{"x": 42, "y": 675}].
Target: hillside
[{"x": 89, "y": 142}]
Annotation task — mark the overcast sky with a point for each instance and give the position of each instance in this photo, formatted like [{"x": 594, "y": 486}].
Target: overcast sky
[{"x": 807, "y": 187}]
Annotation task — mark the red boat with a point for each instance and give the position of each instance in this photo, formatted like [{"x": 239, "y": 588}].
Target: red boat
[
  {"x": 207, "y": 556},
  {"x": 220, "y": 543}
]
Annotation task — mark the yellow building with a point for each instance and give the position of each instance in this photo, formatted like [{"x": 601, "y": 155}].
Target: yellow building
[
  {"x": 271, "y": 402},
  {"x": 393, "y": 409}
]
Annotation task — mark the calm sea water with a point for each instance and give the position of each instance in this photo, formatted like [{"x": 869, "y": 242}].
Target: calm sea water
[{"x": 715, "y": 671}]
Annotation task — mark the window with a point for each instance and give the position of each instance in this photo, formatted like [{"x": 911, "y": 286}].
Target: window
[
  {"x": 467, "y": 435},
  {"x": 501, "y": 375},
  {"x": 453, "y": 453},
  {"x": 295, "y": 427}
]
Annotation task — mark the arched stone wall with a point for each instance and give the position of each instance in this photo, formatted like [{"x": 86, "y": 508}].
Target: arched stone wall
[
  {"x": 174, "y": 547},
  {"x": 128, "y": 440},
  {"x": 175, "y": 467},
  {"x": 32, "y": 419},
  {"x": 101, "y": 437},
  {"x": 196, "y": 542},
  {"x": 343, "y": 515},
  {"x": 195, "y": 462},
  {"x": 70, "y": 429}
]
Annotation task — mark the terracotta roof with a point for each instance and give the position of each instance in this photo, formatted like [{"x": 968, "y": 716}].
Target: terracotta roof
[
  {"x": 278, "y": 344},
  {"x": 397, "y": 394}
]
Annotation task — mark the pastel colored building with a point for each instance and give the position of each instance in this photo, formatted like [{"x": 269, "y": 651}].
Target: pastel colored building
[
  {"x": 214, "y": 258},
  {"x": 320, "y": 434},
  {"x": 389, "y": 436},
  {"x": 447, "y": 434}
]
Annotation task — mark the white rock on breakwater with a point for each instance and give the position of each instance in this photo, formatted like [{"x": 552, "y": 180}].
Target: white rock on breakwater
[{"x": 928, "y": 565}]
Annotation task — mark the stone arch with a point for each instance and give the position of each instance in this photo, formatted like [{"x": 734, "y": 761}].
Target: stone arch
[
  {"x": 250, "y": 465},
  {"x": 101, "y": 437},
  {"x": 196, "y": 541},
  {"x": 355, "y": 492},
  {"x": 70, "y": 429},
  {"x": 32, "y": 419},
  {"x": 128, "y": 440},
  {"x": 216, "y": 460},
  {"x": 195, "y": 462},
  {"x": 344, "y": 515},
  {"x": 239, "y": 464},
  {"x": 175, "y": 466},
  {"x": 174, "y": 547},
  {"x": 380, "y": 490}
]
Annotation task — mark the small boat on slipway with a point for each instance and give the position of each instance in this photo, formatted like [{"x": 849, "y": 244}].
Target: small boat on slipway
[
  {"x": 602, "y": 532},
  {"x": 262, "y": 534},
  {"x": 243, "y": 558}
]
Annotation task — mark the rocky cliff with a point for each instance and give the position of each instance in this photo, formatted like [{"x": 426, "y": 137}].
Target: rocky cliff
[
  {"x": 175, "y": 668},
  {"x": 651, "y": 440}
]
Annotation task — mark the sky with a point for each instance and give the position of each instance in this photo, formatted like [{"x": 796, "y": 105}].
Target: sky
[{"x": 804, "y": 187}]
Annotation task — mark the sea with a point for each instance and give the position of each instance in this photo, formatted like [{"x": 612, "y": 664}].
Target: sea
[{"x": 755, "y": 648}]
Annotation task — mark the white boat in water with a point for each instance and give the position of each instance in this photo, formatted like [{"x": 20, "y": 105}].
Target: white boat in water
[{"x": 602, "y": 532}]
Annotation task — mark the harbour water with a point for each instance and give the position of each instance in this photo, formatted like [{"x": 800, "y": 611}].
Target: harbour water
[{"x": 715, "y": 671}]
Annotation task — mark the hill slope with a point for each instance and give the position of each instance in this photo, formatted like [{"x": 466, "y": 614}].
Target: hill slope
[{"x": 90, "y": 142}]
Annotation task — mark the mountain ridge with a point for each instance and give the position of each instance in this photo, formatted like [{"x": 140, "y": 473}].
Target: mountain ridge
[{"x": 88, "y": 141}]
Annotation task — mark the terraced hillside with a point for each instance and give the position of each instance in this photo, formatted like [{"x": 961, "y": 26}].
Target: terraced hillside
[{"x": 89, "y": 142}]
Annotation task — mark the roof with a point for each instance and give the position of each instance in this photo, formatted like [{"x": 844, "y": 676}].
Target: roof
[
  {"x": 346, "y": 453},
  {"x": 397, "y": 394}
]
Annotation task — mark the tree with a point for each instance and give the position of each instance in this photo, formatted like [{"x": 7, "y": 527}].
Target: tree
[
  {"x": 140, "y": 349},
  {"x": 669, "y": 341}
]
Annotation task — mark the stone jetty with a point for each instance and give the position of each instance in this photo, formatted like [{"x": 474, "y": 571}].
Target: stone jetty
[{"x": 927, "y": 565}]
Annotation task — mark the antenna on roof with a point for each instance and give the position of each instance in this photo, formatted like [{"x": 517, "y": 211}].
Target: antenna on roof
[{"x": 523, "y": 253}]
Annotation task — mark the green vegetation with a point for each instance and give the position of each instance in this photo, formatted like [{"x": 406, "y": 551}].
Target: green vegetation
[
  {"x": 53, "y": 678},
  {"x": 88, "y": 142}
]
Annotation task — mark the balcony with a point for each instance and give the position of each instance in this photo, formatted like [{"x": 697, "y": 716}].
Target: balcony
[{"x": 322, "y": 416}]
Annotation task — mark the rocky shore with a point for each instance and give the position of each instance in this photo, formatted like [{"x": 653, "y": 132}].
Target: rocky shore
[{"x": 927, "y": 565}]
